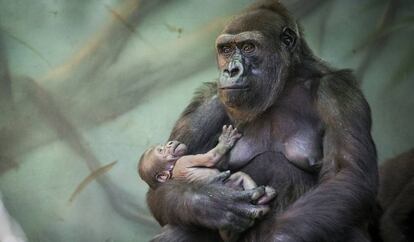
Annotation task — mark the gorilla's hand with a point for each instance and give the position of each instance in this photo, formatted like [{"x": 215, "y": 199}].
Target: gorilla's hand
[{"x": 220, "y": 207}]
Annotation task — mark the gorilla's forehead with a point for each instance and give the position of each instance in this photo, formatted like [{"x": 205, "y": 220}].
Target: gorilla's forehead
[
  {"x": 263, "y": 20},
  {"x": 240, "y": 37}
]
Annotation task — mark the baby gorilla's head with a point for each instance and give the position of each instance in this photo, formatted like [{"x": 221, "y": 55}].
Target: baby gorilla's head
[{"x": 156, "y": 164}]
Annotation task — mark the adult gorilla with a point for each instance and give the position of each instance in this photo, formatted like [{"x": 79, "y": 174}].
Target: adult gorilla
[{"x": 306, "y": 132}]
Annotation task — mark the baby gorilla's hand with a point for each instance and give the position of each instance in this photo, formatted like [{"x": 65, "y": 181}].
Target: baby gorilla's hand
[{"x": 229, "y": 136}]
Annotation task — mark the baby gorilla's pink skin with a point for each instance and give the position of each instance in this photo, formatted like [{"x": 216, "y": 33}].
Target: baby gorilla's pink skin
[{"x": 175, "y": 148}]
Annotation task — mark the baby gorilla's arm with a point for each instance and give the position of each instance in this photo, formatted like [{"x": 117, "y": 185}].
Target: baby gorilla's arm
[{"x": 228, "y": 137}]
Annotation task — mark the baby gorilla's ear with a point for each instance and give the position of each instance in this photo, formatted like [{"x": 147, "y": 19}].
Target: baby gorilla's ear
[{"x": 163, "y": 176}]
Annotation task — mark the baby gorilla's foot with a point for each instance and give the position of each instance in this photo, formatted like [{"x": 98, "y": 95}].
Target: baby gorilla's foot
[{"x": 270, "y": 193}]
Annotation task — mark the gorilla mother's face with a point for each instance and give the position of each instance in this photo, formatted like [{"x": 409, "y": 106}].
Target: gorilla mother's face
[{"x": 253, "y": 57}]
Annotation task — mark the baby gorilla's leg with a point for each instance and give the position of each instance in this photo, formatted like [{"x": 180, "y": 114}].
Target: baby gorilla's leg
[
  {"x": 242, "y": 181},
  {"x": 270, "y": 193}
]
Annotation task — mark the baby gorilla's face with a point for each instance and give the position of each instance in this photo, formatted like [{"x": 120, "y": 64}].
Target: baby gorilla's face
[{"x": 166, "y": 156}]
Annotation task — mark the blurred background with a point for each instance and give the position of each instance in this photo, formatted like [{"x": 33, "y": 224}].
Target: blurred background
[{"x": 87, "y": 85}]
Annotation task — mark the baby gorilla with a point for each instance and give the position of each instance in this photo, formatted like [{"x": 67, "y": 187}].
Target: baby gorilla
[{"x": 163, "y": 162}]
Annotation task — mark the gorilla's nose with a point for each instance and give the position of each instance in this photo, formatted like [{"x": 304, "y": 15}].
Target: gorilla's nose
[
  {"x": 235, "y": 69},
  {"x": 234, "y": 72}
]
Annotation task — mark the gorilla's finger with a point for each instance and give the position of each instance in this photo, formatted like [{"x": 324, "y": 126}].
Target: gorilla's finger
[
  {"x": 258, "y": 212},
  {"x": 252, "y": 194},
  {"x": 253, "y": 211},
  {"x": 221, "y": 177},
  {"x": 260, "y": 191}
]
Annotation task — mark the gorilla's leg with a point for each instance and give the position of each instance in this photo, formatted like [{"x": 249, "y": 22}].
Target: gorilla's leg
[{"x": 180, "y": 234}]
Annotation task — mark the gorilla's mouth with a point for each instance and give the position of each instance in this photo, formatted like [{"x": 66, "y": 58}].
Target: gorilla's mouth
[{"x": 236, "y": 88}]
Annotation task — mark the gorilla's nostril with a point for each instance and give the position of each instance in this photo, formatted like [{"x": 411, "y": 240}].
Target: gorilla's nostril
[{"x": 234, "y": 72}]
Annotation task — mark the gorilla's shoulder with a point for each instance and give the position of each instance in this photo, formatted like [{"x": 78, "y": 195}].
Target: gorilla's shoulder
[
  {"x": 340, "y": 77},
  {"x": 204, "y": 93},
  {"x": 339, "y": 94},
  {"x": 340, "y": 83}
]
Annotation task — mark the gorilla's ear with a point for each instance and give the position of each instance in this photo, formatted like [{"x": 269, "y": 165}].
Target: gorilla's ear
[{"x": 288, "y": 37}]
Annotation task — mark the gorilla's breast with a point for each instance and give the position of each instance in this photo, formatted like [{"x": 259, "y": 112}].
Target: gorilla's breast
[
  {"x": 256, "y": 140},
  {"x": 291, "y": 128}
]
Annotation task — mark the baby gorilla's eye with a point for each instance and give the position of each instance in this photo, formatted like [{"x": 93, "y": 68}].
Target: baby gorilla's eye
[{"x": 248, "y": 47}]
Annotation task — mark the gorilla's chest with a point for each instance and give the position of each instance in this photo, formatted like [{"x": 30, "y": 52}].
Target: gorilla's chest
[{"x": 292, "y": 129}]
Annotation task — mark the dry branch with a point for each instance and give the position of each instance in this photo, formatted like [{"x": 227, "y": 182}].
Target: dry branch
[{"x": 50, "y": 110}]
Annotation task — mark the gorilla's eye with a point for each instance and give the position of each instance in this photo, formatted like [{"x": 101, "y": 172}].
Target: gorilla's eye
[
  {"x": 248, "y": 47},
  {"x": 226, "y": 50},
  {"x": 288, "y": 37}
]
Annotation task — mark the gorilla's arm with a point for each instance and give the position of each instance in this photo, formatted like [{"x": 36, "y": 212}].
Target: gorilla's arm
[
  {"x": 203, "y": 204},
  {"x": 183, "y": 203},
  {"x": 201, "y": 122},
  {"x": 349, "y": 176}
]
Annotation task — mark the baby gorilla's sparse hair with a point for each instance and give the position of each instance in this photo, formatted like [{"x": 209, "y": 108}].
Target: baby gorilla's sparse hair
[{"x": 149, "y": 166}]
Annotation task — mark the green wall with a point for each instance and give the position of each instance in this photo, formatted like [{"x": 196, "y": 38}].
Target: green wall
[{"x": 85, "y": 83}]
